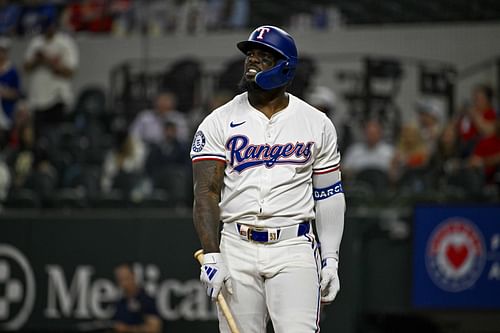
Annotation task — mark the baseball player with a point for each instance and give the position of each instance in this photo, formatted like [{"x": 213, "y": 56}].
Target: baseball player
[{"x": 266, "y": 165}]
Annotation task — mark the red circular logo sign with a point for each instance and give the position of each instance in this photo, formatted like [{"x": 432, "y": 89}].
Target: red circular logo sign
[{"x": 455, "y": 254}]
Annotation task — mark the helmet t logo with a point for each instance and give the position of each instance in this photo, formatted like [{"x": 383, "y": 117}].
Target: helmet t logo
[{"x": 262, "y": 31}]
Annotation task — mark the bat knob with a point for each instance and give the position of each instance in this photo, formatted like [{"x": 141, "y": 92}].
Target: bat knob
[{"x": 198, "y": 255}]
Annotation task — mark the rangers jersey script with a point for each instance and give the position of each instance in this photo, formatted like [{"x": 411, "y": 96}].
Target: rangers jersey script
[{"x": 269, "y": 162}]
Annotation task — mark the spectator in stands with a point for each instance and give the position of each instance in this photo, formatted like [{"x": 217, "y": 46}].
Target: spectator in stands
[
  {"x": 44, "y": 177},
  {"x": 214, "y": 14},
  {"x": 238, "y": 13},
  {"x": 122, "y": 13},
  {"x": 445, "y": 162},
  {"x": 34, "y": 15},
  {"x": 170, "y": 151},
  {"x": 486, "y": 156},
  {"x": 21, "y": 120},
  {"x": 148, "y": 125},
  {"x": 478, "y": 120},
  {"x": 371, "y": 153},
  {"x": 430, "y": 121},
  {"x": 88, "y": 15},
  {"x": 411, "y": 155},
  {"x": 31, "y": 166},
  {"x": 10, "y": 12},
  {"x": 196, "y": 115},
  {"x": 198, "y": 16},
  {"x": 10, "y": 86},
  {"x": 72, "y": 16},
  {"x": 136, "y": 311},
  {"x": 158, "y": 18},
  {"x": 51, "y": 60},
  {"x": 5, "y": 178},
  {"x": 123, "y": 167},
  {"x": 190, "y": 17},
  {"x": 20, "y": 158},
  {"x": 325, "y": 100},
  {"x": 4, "y": 181},
  {"x": 322, "y": 98},
  {"x": 168, "y": 165}
]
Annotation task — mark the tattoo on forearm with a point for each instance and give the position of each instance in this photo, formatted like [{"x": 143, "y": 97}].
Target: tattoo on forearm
[{"x": 208, "y": 180}]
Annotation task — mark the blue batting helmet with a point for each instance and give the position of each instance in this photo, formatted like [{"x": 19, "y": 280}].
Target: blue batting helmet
[{"x": 281, "y": 42}]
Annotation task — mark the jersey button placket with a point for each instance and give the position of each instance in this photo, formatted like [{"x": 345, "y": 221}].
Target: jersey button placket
[
  {"x": 261, "y": 208},
  {"x": 265, "y": 176},
  {"x": 269, "y": 134},
  {"x": 262, "y": 177}
]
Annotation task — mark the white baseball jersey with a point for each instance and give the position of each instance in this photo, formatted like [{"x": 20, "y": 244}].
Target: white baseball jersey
[{"x": 269, "y": 162}]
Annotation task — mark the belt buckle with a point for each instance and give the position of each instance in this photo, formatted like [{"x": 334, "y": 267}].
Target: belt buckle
[{"x": 250, "y": 233}]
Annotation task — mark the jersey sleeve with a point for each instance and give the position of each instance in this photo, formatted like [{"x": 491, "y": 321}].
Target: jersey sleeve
[
  {"x": 328, "y": 157},
  {"x": 208, "y": 141}
]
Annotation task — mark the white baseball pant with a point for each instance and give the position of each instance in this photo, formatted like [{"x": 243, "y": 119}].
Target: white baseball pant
[{"x": 278, "y": 280}]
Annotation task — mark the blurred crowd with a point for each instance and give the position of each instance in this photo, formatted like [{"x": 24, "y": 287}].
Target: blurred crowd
[
  {"x": 60, "y": 148},
  {"x": 156, "y": 17},
  {"x": 434, "y": 157},
  {"x": 120, "y": 17}
]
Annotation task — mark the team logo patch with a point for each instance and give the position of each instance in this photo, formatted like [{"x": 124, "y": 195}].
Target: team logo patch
[
  {"x": 455, "y": 255},
  {"x": 198, "y": 142}
]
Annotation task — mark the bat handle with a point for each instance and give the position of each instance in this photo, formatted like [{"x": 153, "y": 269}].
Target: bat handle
[
  {"x": 220, "y": 300},
  {"x": 198, "y": 255}
]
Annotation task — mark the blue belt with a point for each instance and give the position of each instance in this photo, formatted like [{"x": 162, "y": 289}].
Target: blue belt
[{"x": 264, "y": 235}]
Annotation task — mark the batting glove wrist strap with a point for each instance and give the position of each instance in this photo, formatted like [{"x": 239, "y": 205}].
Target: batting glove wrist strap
[
  {"x": 212, "y": 258},
  {"x": 214, "y": 274},
  {"x": 330, "y": 262}
]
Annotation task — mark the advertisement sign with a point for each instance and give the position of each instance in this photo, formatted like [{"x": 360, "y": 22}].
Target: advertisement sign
[
  {"x": 456, "y": 257},
  {"x": 58, "y": 275}
]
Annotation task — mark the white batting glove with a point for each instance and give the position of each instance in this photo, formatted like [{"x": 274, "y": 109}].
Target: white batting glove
[
  {"x": 214, "y": 275},
  {"x": 330, "y": 283}
]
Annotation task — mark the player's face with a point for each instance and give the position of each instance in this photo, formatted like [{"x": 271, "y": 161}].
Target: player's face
[{"x": 258, "y": 60}]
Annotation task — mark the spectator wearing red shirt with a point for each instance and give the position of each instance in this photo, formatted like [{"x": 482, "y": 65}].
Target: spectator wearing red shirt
[
  {"x": 486, "y": 155},
  {"x": 89, "y": 15},
  {"x": 479, "y": 120}
]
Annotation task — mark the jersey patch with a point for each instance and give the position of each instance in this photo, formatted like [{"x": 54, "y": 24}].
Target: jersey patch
[
  {"x": 244, "y": 155},
  {"x": 326, "y": 192},
  {"x": 198, "y": 142}
]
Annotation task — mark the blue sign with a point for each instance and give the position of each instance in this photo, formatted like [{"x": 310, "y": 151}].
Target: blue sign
[{"x": 456, "y": 257}]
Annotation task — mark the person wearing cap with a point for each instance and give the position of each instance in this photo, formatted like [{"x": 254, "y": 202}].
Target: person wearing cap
[
  {"x": 266, "y": 164},
  {"x": 51, "y": 60},
  {"x": 323, "y": 99},
  {"x": 10, "y": 85}
]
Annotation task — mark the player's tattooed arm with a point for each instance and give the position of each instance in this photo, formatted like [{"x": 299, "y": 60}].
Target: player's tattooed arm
[{"x": 208, "y": 178}]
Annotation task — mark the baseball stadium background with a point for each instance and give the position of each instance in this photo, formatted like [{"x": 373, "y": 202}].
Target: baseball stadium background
[{"x": 422, "y": 255}]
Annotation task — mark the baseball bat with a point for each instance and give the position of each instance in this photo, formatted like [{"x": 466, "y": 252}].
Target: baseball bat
[{"x": 220, "y": 300}]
